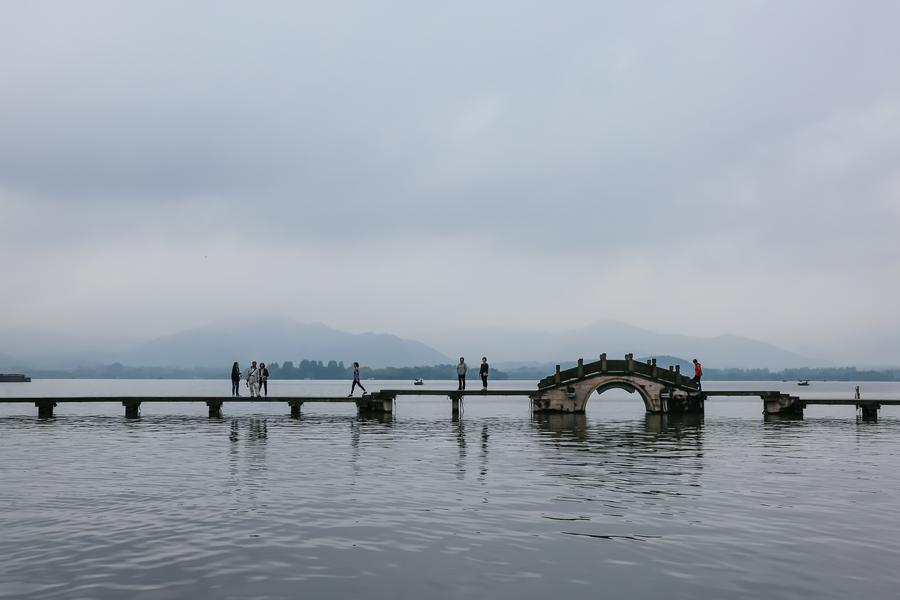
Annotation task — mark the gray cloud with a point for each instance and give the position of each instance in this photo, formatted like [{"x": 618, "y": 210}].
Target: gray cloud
[{"x": 700, "y": 167}]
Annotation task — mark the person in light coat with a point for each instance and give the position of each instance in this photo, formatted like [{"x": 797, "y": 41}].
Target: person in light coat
[
  {"x": 253, "y": 380},
  {"x": 461, "y": 369}
]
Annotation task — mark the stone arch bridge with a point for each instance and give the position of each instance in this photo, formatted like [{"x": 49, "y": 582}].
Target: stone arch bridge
[{"x": 663, "y": 390}]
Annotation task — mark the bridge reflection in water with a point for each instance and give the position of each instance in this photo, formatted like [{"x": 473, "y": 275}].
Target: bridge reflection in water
[{"x": 654, "y": 455}]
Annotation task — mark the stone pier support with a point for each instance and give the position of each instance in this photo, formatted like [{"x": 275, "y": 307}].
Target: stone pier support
[
  {"x": 45, "y": 409},
  {"x": 376, "y": 404},
  {"x": 869, "y": 410},
  {"x": 215, "y": 409},
  {"x": 676, "y": 402},
  {"x": 132, "y": 408},
  {"x": 455, "y": 404},
  {"x": 295, "y": 408},
  {"x": 783, "y": 404}
]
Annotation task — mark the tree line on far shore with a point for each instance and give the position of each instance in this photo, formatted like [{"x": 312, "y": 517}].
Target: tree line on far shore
[{"x": 317, "y": 369}]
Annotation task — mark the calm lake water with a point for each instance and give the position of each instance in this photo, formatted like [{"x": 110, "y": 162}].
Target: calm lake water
[{"x": 497, "y": 504}]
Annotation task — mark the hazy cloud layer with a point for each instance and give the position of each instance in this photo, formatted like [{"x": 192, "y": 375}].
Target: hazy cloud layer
[{"x": 701, "y": 167}]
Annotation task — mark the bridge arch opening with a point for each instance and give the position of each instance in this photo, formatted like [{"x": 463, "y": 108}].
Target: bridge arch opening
[{"x": 624, "y": 386}]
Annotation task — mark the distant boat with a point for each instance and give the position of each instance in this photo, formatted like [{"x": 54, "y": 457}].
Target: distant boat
[
  {"x": 803, "y": 382},
  {"x": 418, "y": 382},
  {"x": 13, "y": 378}
]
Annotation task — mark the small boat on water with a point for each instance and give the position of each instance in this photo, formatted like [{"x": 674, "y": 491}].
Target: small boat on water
[
  {"x": 418, "y": 382},
  {"x": 803, "y": 382},
  {"x": 13, "y": 378}
]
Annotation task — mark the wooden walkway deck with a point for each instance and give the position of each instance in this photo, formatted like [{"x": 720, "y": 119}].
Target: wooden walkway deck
[{"x": 382, "y": 401}]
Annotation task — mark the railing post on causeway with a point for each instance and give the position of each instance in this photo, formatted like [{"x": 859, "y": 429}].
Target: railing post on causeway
[
  {"x": 580, "y": 368},
  {"x": 677, "y": 373},
  {"x": 653, "y": 367},
  {"x": 557, "y": 377},
  {"x": 603, "y": 365},
  {"x": 629, "y": 362}
]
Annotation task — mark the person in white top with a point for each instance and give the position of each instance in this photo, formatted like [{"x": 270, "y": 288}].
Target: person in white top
[{"x": 253, "y": 379}]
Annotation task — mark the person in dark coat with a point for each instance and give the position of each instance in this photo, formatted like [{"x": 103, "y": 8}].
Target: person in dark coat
[
  {"x": 483, "y": 371},
  {"x": 235, "y": 379},
  {"x": 356, "y": 381},
  {"x": 264, "y": 378}
]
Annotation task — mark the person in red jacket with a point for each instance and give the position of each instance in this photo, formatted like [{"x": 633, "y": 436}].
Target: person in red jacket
[{"x": 698, "y": 373}]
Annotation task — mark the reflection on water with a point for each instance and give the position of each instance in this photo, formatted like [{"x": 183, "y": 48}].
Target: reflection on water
[{"x": 496, "y": 503}]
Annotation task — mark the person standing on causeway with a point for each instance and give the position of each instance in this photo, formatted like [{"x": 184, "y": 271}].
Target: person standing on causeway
[
  {"x": 356, "y": 381},
  {"x": 253, "y": 379},
  {"x": 483, "y": 371},
  {"x": 698, "y": 373},
  {"x": 461, "y": 369},
  {"x": 235, "y": 379},
  {"x": 263, "y": 378}
]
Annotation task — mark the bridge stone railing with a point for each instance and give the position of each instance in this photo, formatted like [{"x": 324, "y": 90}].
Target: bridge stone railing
[{"x": 626, "y": 366}]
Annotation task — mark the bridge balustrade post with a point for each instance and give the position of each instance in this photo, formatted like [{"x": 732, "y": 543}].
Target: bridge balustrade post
[
  {"x": 580, "y": 368},
  {"x": 678, "y": 373},
  {"x": 557, "y": 377},
  {"x": 629, "y": 362},
  {"x": 603, "y": 366},
  {"x": 653, "y": 368}
]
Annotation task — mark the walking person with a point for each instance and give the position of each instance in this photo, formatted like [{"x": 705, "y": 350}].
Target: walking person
[
  {"x": 264, "y": 378},
  {"x": 253, "y": 379},
  {"x": 461, "y": 369},
  {"x": 698, "y": 373},
  {"x": 483, "y": 371},
  {"x": 235, "y": 379},
  {"x": 356, "y": 381}
]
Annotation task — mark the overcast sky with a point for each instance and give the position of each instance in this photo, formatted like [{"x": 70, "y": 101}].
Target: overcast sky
[{"x": 421, "y": 167}]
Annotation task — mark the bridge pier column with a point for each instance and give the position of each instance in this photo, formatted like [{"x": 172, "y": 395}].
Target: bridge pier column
[
  {"x": 132, "y": 409},
  {"x": 869, "y": 411},
  {"x": 783, "y": 404},
  {"x": 45, "y": 409},
  {"x": 376, "y": 404},
  {"x": 678, "y": 402},
  {"x": 560, "y": 400},
  {"x": 215, "y": 409},
  {"x": 295, "y": 408},
  {"x": 455, "y": 404}
]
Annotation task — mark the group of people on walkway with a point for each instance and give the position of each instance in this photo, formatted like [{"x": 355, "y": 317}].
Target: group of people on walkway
[
  {"x": 483, "y": 371},
  {"x": 257, "y": 378}
]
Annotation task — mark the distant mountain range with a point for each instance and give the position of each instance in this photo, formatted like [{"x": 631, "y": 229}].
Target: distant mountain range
[
  {"x": 279, "y": 339},
  {"x": 266, "y": 339},
  {"x": 519, "y": 348}
]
